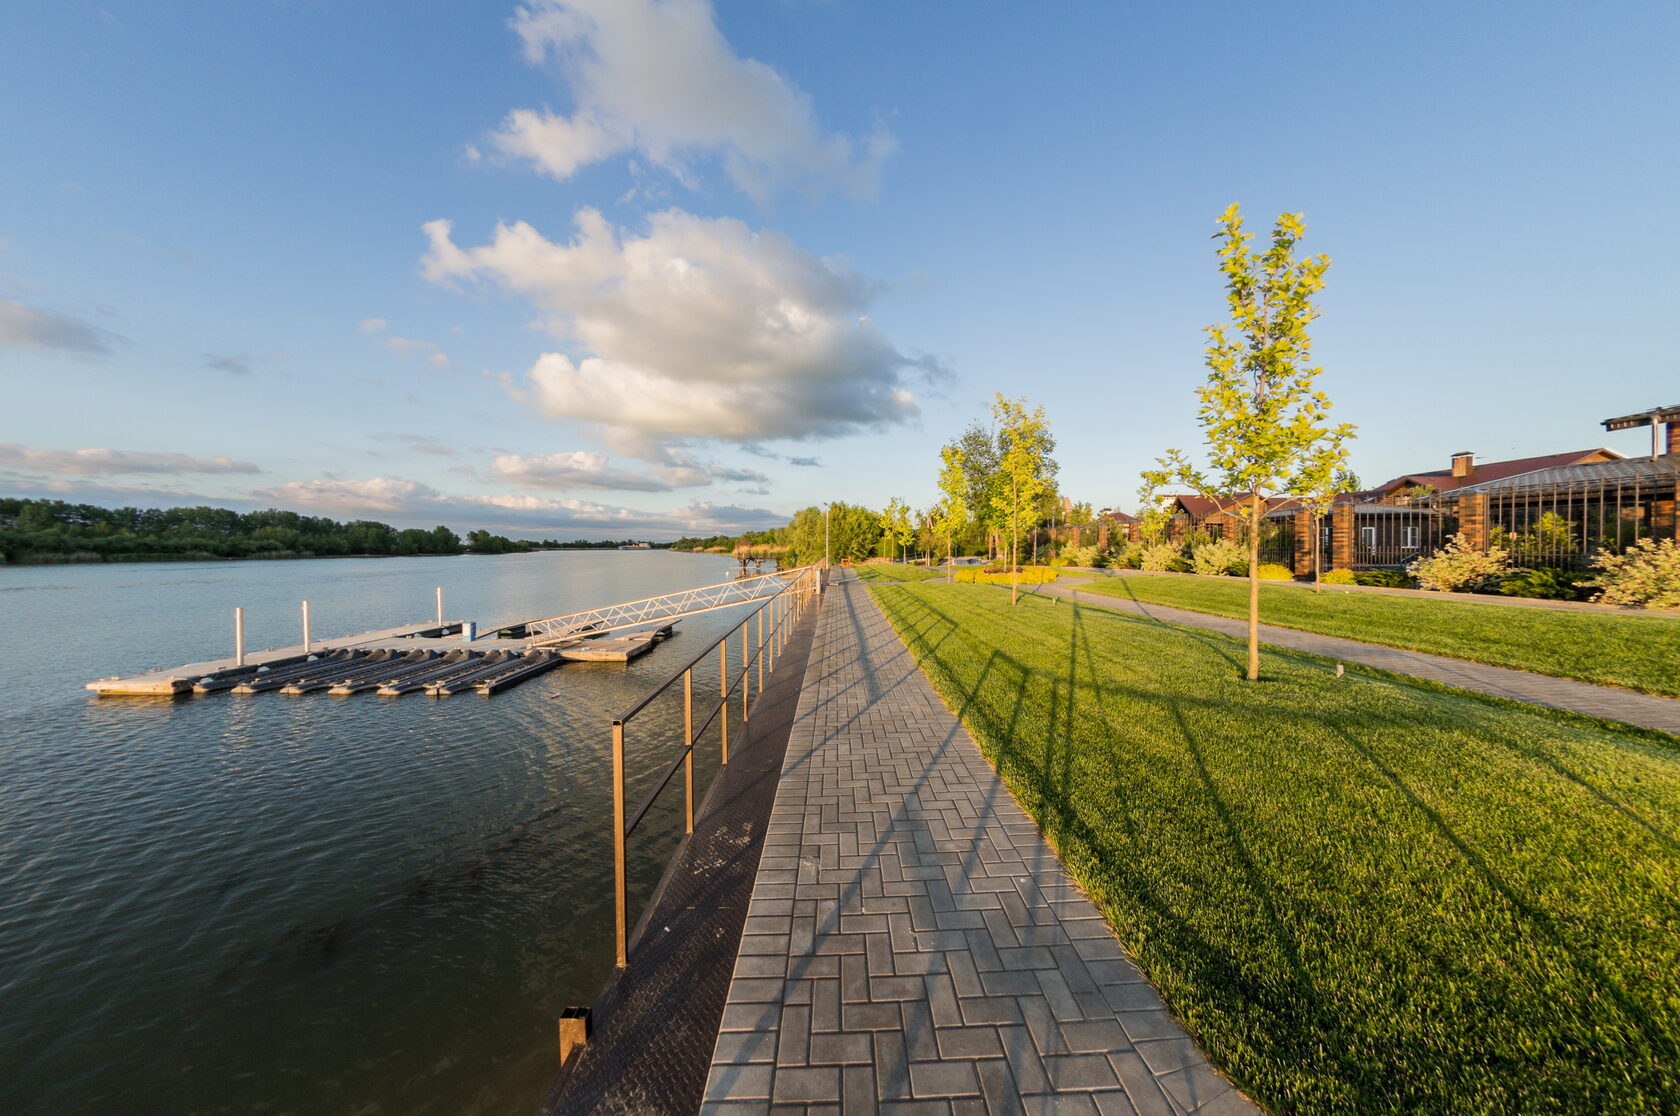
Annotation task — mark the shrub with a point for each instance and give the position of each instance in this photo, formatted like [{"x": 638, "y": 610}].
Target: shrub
[
  {"x": 1382, "y": 579},
  {"x": 1128, "y": 556},
  {"x": 1646, "y": 576},
  {"x": 1273, "y": 571},
  {"x": 1456, "y": 568},
  {"x": 999, "y": 575},
  {"x": 1085, "y": 556},
  {"x": 1218, "y": 557},
  {"x": 1161, "y": 557},
  {"x": 1339, "y": 577},
  {"x": 1545, "y": 583}
]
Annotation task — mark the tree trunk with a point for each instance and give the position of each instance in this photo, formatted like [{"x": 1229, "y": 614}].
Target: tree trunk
[
  {"x": 1318, "y": 560},
  {"x": 1254, "y": 588}
]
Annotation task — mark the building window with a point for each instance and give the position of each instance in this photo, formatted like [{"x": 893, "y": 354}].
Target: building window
[
  {"x": 1409, "y": 537},
  {"x": 1368, "y": 538}
]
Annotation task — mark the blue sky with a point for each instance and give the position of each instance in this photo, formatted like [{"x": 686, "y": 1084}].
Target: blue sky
[{"x": 704, "y": 265}]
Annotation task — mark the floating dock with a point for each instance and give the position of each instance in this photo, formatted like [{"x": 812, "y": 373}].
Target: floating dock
[
  {"x": 445, "y": 657},
  {"x": 417, "y": 658}
]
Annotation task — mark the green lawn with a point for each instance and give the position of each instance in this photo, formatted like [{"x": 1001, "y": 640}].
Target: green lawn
[
  {"x": 1638, "y": 652},
  {"x": 1361, "y": 895}
]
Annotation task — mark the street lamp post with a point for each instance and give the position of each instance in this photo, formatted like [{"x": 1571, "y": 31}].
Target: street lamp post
[{"x": 827, "y": 560}]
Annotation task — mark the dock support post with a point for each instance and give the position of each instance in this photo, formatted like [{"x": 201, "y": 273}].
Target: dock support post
[
  {"x": 618, "y": 841},
  {"x": 688, "y": 742},
  {"x": 306, "y": 627},
  {"x": 574, "y": 1031},
  {"x": 723, "y": 685},
  {"x": 440, "y": 604},
  {"x": 238, "y": 637}
]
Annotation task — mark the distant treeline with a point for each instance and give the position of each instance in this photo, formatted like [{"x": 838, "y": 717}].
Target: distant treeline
[{"x": 35, "y": 531}]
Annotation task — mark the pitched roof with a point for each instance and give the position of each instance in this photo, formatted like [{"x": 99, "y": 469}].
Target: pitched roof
[
  {"x": 1621, "y": 471},
  {"x": 1442, "y": 480}
]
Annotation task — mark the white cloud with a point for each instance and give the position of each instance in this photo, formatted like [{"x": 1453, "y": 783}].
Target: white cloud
[
  {"x": 590, "y": 469},
  {"x": 102, "y": 462},
  {"x": 399, "y": 499},
  {"x": 657, "y": 77},
  {"x": 33, "y": 327},
  {"x": 426, "y": 350},
  {"x": 371, "y": 325},
  {"x": 701, "y": 328}
]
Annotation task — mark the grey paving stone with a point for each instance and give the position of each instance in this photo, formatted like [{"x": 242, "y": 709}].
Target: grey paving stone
[{"x": 938, "y": 958}]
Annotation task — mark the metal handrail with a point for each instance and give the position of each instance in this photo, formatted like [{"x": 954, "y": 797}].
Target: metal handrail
[
  {"x": 654, "y": 610},
  {"x": 800, "y": 587}
]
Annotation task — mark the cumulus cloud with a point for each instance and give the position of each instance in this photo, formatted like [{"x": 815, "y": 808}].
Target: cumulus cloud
[
  {"x": 658, "y": 79},
  {"x": 99, "y": 462},
  {"x": 701, "y": 328},
  {"x": 371, "y": 325},
  {"x": 396, "y": 498},
  {"x": 35, "y": 328}
]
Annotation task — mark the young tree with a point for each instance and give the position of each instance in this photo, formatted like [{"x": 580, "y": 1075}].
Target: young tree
[
  {"x": 1268, "y": 431},
  {"x": 951, "y": 513},
  {"x": 896, "y": 525},
  {"x": 1026, "y": 473}
]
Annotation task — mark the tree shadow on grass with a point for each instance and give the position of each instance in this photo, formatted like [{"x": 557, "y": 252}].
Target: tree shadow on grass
[{"x": 1527, "y": 908}]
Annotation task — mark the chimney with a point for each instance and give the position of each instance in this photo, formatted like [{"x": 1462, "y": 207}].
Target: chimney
[{"x": 1463, "y": 464}]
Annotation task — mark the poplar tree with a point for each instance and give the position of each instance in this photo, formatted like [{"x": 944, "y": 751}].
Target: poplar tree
[
  {"x": 1268, "y": 430},
  {"x": 1025, "y": 475}
]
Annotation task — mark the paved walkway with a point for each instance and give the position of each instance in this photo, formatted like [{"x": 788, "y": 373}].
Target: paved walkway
[
  {"x": 913, "y": 945},
  {"x": 1645, "y": 710}
]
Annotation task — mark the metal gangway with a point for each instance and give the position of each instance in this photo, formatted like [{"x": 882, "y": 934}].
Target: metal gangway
[{"x": 657, "y": 610}]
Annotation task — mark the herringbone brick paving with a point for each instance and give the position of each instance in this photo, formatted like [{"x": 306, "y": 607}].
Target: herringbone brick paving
[{"x": 913, "y": 945}]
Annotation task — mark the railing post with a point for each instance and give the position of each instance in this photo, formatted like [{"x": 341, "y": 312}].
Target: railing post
[
  {"x": 688, "y": 741},
  {"x": 761, "y": 652},
  {"x": 306, "y": 640},
  {"x": 746, "y": 674},
  {"x": 619, "y": 900},
  {"x": 723, "y": 687},
  {"x": 238, "y": 637}
]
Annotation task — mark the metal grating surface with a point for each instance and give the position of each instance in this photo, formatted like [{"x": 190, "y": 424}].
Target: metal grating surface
[{"x": 654, "y": 1028}]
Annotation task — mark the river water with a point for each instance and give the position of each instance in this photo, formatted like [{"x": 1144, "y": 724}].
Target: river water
[{"x": 310, "y": 904}]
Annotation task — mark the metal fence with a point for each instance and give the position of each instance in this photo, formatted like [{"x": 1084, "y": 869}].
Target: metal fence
[
  {"x": 757, "y": 652},
  {"x": 1565, "y": 526}
]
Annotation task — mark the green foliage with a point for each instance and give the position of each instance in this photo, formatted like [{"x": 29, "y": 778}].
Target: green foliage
[
  {"x": 1026, "y": 471},
  {"x": 52, "y": 530},
  {"x": 1647, "y": 575},
  {"x": 1340, "y": 577},
  {"x": 896, "y": 529},
  {"x": 1551, "y": 536},
  {"x": 1090, "y": 557},
  {"x": 483, "y": 542},
  {"x": 1272, "y": 571},
  {"x": 1457, "y": 568},
  {"x": 1545, "y": 583},
  {"x": 852, "y": 532},
  {"x": 1162, "y": 557},
  {"x": 1128, "y": 556},
  {"x": 951, "y": 514},
  {"x": 1628, "y": 650},
  {"x": 1383, "y": 579},
  {"x": 1267, "y": 428},
  {"x": 1218, "y": 556},
  {"x": 1361, "y": 895}
]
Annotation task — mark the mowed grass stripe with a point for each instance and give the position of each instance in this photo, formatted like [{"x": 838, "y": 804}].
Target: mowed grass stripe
[
  {"x": 1635, "y": 652},
  {"x": 1360, "y": 895}
]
